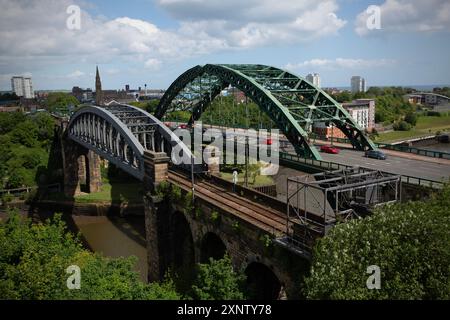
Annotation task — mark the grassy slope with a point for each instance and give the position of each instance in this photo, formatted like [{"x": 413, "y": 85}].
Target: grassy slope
[
  {"x": 425, "y": 126},
  {"x": 259, "y": 181}
]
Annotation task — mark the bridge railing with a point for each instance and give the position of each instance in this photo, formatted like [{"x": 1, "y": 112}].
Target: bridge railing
[
  {"x": 326, "y": 165},
  {"x": 419, "y": 151},
  {"x": 19, "y": 191}
]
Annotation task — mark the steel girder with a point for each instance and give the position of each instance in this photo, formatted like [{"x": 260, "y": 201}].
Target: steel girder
[
  {"x": 120, "y": 133},
  {"x": 292, "y": 102}
]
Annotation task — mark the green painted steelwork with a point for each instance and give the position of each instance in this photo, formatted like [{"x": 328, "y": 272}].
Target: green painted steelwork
[{"x": 291, "y": 102}]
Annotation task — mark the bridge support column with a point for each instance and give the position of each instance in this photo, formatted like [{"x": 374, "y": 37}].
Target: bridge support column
[
  {"x": 156, "y": 166},
  {"x": 81, "y": 169}
]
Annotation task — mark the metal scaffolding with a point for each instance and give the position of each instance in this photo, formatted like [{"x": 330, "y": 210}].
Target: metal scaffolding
[{"x": 316, "y": 203}]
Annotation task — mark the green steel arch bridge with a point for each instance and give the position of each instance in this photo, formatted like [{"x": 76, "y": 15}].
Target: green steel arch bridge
[{"x": 291, "y": 102}]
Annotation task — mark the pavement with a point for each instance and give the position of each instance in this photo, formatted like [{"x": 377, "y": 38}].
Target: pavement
[
  {"x": 409, "y": 165},
  {"x": 398, "y": 154}
]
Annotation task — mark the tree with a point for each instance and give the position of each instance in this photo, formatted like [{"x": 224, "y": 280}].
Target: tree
[
  {"x": 25, "y": 133},
  {"x": 402, "y": 126},
  {"x": 217, "y": 280},
  {"x": 410, "y": 243},
  {"x": 411, "y": 118},
  {"x": 9, "y": 120},
  {"x": 46, "y": 126},
  {"x": 34, "y": 259},
  {"x": 152, "y": 105},
  {"x": 60, "y": 101}
]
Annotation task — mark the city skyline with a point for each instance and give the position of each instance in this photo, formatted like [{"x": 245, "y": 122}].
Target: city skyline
[{"x": 154, "y": 42}]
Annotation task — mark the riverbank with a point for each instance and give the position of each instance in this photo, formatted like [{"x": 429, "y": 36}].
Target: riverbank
[{"x": 103, "y": 228}]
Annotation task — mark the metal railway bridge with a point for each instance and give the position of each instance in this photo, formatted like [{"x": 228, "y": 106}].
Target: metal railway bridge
[
  {"x": 120, "y": 133},
  {"x": 290, "y": 101},
  {"x": 138, "y": 143}
]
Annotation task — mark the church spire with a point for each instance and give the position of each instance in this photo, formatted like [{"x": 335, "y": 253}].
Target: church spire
[{"x": 98, "y": 89}]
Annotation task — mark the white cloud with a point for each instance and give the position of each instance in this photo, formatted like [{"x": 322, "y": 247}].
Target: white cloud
[
  {"x": 153, "y": 64},
  {"x": 34, "y": 35},
  {"x": 76, "y": 74},
  {"x": 408, "y": 16},
  {"x": 253, "y": 23},
  {"x": 340, "y": 63}
]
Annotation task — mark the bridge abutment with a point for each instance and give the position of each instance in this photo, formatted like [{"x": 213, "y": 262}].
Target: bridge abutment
[
  {"x": 81, "y": 169},
  {"x": 156, "y": 221}
]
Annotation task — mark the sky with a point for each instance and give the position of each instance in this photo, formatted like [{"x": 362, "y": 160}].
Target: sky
[{"x": 152, "y": 42}]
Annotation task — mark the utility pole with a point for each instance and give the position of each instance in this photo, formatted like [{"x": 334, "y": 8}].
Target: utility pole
[
  {"x": 246, "y": 160},
  {"x": 332, "y": 133},
  {"x": 192, "y": 175}
]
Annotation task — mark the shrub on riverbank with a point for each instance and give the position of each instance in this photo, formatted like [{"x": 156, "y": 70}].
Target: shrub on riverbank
[
  {"x": 410, "y": 243},
  {"x": 34, "y": 259}
]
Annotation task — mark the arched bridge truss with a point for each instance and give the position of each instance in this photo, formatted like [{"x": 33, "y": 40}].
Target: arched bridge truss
[
  {"x": 292, "y": 103},
  {"x": 120, "y": 133}
]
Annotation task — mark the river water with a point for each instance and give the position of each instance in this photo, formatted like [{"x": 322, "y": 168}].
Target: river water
[{"x": 116, "y": 237}]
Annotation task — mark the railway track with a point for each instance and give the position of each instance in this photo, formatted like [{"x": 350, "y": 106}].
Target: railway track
[{"x": 268, "y": 219}]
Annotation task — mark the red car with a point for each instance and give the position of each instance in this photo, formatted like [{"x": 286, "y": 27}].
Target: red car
[{"x": 329, "y": 149}]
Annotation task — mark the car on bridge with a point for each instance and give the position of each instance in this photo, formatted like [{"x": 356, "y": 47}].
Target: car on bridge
[
  {"x": 375, "y": 154},
  {"x": 329, "y": 149},
  {"x": 182, "y": 126}
]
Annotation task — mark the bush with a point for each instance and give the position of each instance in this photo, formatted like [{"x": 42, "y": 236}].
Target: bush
[
  {"x": 402, "y": 126},
  {"x": 34, "y": 259},
  {"x": 410, "y": 243},
  {"x": 7, "y": 198},
  {"x": 217, "y": 280},
  {"x": 433, "y": 114},
  {"x": 411, "y": 118}
]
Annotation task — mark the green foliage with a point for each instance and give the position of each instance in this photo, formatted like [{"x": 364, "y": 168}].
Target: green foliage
[
  {"x": 188, "y": 203},
  {"x": 445, "y": 91},
  {"x": 24, "y": 144},
  {"x": 20, "y": 177},
  {"x": 433, "y": 114},
  {"x": 34, "y": 259},
  {"x": 214, "y": 216},
  {"x": 162, "y": 190},
  {"x": 8, "y": 96},
  {"x": 46, "y": 126},
  {"x": 236, "y": 226},
  {"x": 409, "y": 242},
  {"x": 225, "y": 111},
  {"x": 178, "y": 116},
  {"x": 7, "y": 198},
  {"x": 216, "y": 280},
  {"x": 266, "y": 240},
  {"x": 344, "y": 96},
  {"x": 198, "y": 213},
  {"x": 390, "y": 104},
  {"x": 175, "y": 194},
  {"x": 60, "y": 102},
  {"x": 152, "y": 105},
  {"x": 149, "y": 106},
  {"x": 402, "y": 126},
  {"x": 9, "y": 120},
  {"x": 25, "y": 133},
  {"x": 411, "y": 118}
]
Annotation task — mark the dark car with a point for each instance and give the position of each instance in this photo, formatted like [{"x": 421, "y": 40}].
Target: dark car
[{"x": 375, "y": 154}]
